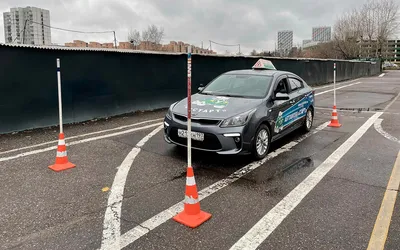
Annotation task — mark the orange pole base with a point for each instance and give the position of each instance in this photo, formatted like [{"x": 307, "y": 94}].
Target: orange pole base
[
  {"x": 334, "y": 124},
  {"x": 61, "y": 167},
  {"x": 192, "y": 221}
]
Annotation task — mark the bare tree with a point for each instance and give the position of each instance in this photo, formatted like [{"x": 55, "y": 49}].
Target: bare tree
[
  {"x": 347, "y": 33},
  {"x": 374, "y": 22},
  {"x": 134, "y": 38},
  {"x": 153, "y": 34}
]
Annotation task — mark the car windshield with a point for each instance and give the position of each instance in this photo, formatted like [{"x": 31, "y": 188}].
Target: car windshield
[{"x": 239, "y": 85}]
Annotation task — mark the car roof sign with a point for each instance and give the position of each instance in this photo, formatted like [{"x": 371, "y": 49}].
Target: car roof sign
[{"x": 263, "y": 64}]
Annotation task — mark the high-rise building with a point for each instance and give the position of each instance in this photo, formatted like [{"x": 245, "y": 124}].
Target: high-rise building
[
  {"x": 285, "y": 41},
  {"x": 321, "y": 34},
  {"x": 306, "y": 41},
  {"x": 29, "y": 25}
]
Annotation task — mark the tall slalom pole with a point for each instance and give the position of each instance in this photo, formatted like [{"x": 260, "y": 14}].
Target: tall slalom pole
[
  {"x": 334, "y": 120},
  {"x": 62, "y": 162},
  {"x": 59, "y": 96},
  {"x": 334, "y": 84},
  {"x": 191, "y": 216},
  {"x": 189, "y": 107}
]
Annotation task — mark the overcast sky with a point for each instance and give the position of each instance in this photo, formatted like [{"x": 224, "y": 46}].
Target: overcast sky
[{"x": 252, "y": 23}]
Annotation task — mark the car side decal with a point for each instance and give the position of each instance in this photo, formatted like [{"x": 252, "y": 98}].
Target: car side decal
[{"x": 294, "y": 113}]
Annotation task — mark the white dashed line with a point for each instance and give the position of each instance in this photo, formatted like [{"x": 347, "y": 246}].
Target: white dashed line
[
  {"x": 331, "y": 85},
  {"x": 38, "y": 151},
  {"x": 382, "y": 75},
  {"x": 263, "y": 228},
  {"x": 326, "y": 91},
  {"x": 83, "y": 135},
  {"x": 157, "y": 220},
  {"x": 112, "y": 225}
]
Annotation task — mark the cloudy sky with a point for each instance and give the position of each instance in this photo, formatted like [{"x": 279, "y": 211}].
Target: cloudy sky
[{"x": 252, "y": 23}]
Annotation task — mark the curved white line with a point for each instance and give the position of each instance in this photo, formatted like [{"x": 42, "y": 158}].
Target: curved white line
[
  {"x": 112, "y": 224},
  {"x": 162, "y": 217},
  {"x": 379, "y": 129}
]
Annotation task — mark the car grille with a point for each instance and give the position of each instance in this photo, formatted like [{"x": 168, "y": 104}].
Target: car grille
[
  {"x": 210, "y": 142},
  {"x": 199, "y": 121}
]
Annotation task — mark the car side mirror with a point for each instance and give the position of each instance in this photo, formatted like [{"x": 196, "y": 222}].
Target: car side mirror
[
  {"x": 281, "y": 96},
  {"x": 201, "y": 87}
]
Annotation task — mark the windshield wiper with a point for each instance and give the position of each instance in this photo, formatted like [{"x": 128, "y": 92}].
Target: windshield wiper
[{"x": 228, "y": 95}]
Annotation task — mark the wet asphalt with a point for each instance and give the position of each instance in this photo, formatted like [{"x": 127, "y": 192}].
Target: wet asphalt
[{"x": 42, "y": 209}]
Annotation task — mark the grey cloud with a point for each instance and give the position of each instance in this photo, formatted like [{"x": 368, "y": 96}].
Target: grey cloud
[{"x": 252, "y": 23}]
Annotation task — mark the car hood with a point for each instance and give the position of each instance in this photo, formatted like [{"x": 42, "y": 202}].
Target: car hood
[{"x": 209, "y": 106}]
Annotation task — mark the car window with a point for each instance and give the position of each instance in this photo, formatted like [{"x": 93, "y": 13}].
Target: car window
[
  {"x": 240, "y": 85},
  {"x": 295, "y": 84},
  {"x": 282, "y": 86}
]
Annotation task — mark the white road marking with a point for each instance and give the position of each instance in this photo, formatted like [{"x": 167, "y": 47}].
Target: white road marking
[
  {"x": 382, "y": 75},
  {"x": 157, "y": 220},
  {"x": 391, "y": 103},
  {"x": 263, "y": 228},
  {"x": 326, "y": 91},
  {"x": 331, "y": 85},
  {"x": 379, "y": 129},
  {"x": 112, "y": 225},
  {"x": 82, "y": 135},
  {"x": 79, "y": 142}
]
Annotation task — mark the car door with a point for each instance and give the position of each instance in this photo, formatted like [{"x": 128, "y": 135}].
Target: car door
[
  {"x": 280, "y": 107},
  {"x": 298, "y": 101}
]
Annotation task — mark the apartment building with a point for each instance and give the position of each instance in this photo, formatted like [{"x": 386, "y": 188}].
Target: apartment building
[{"x": 27, "y": 25}]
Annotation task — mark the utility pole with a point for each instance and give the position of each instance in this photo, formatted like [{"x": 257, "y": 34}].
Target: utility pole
[
  {"x": 201, "y": 44},
  {"x": 239, "y": 49},
  {"x": 210, "y": 46},
  {"x": 115, "y": 40},
  {"x": 23, "y": 34}
]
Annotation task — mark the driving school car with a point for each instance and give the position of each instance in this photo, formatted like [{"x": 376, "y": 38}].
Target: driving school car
[{"x": 243, "y": 111}]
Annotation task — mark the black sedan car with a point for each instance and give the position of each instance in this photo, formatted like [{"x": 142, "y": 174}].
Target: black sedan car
[{"x": 243, "y": 111}]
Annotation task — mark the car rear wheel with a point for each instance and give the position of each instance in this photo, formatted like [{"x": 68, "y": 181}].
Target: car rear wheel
[
  {"x": 261, "y": 142},
  {"x": 308, "y": 121}
]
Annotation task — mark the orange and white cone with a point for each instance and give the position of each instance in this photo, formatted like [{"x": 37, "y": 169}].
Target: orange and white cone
[
  {"x": 62, "y": 162},
  {"x": 191, "y": 215},
  {"x": 334, "y": 121}
]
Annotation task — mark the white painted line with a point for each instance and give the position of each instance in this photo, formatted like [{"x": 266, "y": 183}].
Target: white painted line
[
  {"x": 263, "y": 228},
  {"x": 382, "y": 75},
  {"x": 331, "y": 85},
  {"x": 323, "y": 92},
  {"x": 391, "y": 103},
  {"x": 82, "y": 135},
  {"x": 79, "y": 142},
  {"x": 112, "y": 225},
  {"x": 379, "y": 129},
  {"x": 157, "y": 220}
]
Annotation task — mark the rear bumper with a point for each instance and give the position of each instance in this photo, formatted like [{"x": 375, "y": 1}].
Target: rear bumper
[{"x": 224, "y": 141}]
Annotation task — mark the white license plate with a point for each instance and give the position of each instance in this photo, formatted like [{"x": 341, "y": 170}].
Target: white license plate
[{"x": 195, "y": 135}]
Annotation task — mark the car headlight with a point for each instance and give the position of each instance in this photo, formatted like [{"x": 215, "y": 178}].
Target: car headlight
[{"x": 238, "y": 120}]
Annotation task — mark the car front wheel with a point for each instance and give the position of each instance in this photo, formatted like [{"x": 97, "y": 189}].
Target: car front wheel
[{"x": 261, "y": 142}]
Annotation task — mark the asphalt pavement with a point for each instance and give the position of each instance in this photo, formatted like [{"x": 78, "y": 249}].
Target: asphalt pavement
[{"x": 320, "y": 190}]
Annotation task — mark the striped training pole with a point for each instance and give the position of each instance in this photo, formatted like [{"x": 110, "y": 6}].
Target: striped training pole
[
  {"x": 189, "y": 107},
  {"x": 59, "y": 96},
  {"x": 191, "y": 216},
  {"x": 62, "y": 162},
  {"x": 334, "y": 84}
]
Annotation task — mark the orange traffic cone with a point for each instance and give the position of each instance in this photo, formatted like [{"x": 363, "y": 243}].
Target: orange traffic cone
[
  {"x": 62, "y": 162},
  {"x": 191, "y": 215},
  {"x": 334, "y": 121}
]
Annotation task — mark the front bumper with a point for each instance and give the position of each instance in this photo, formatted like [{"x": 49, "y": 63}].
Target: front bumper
[{"x": 225, "y": 141}]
